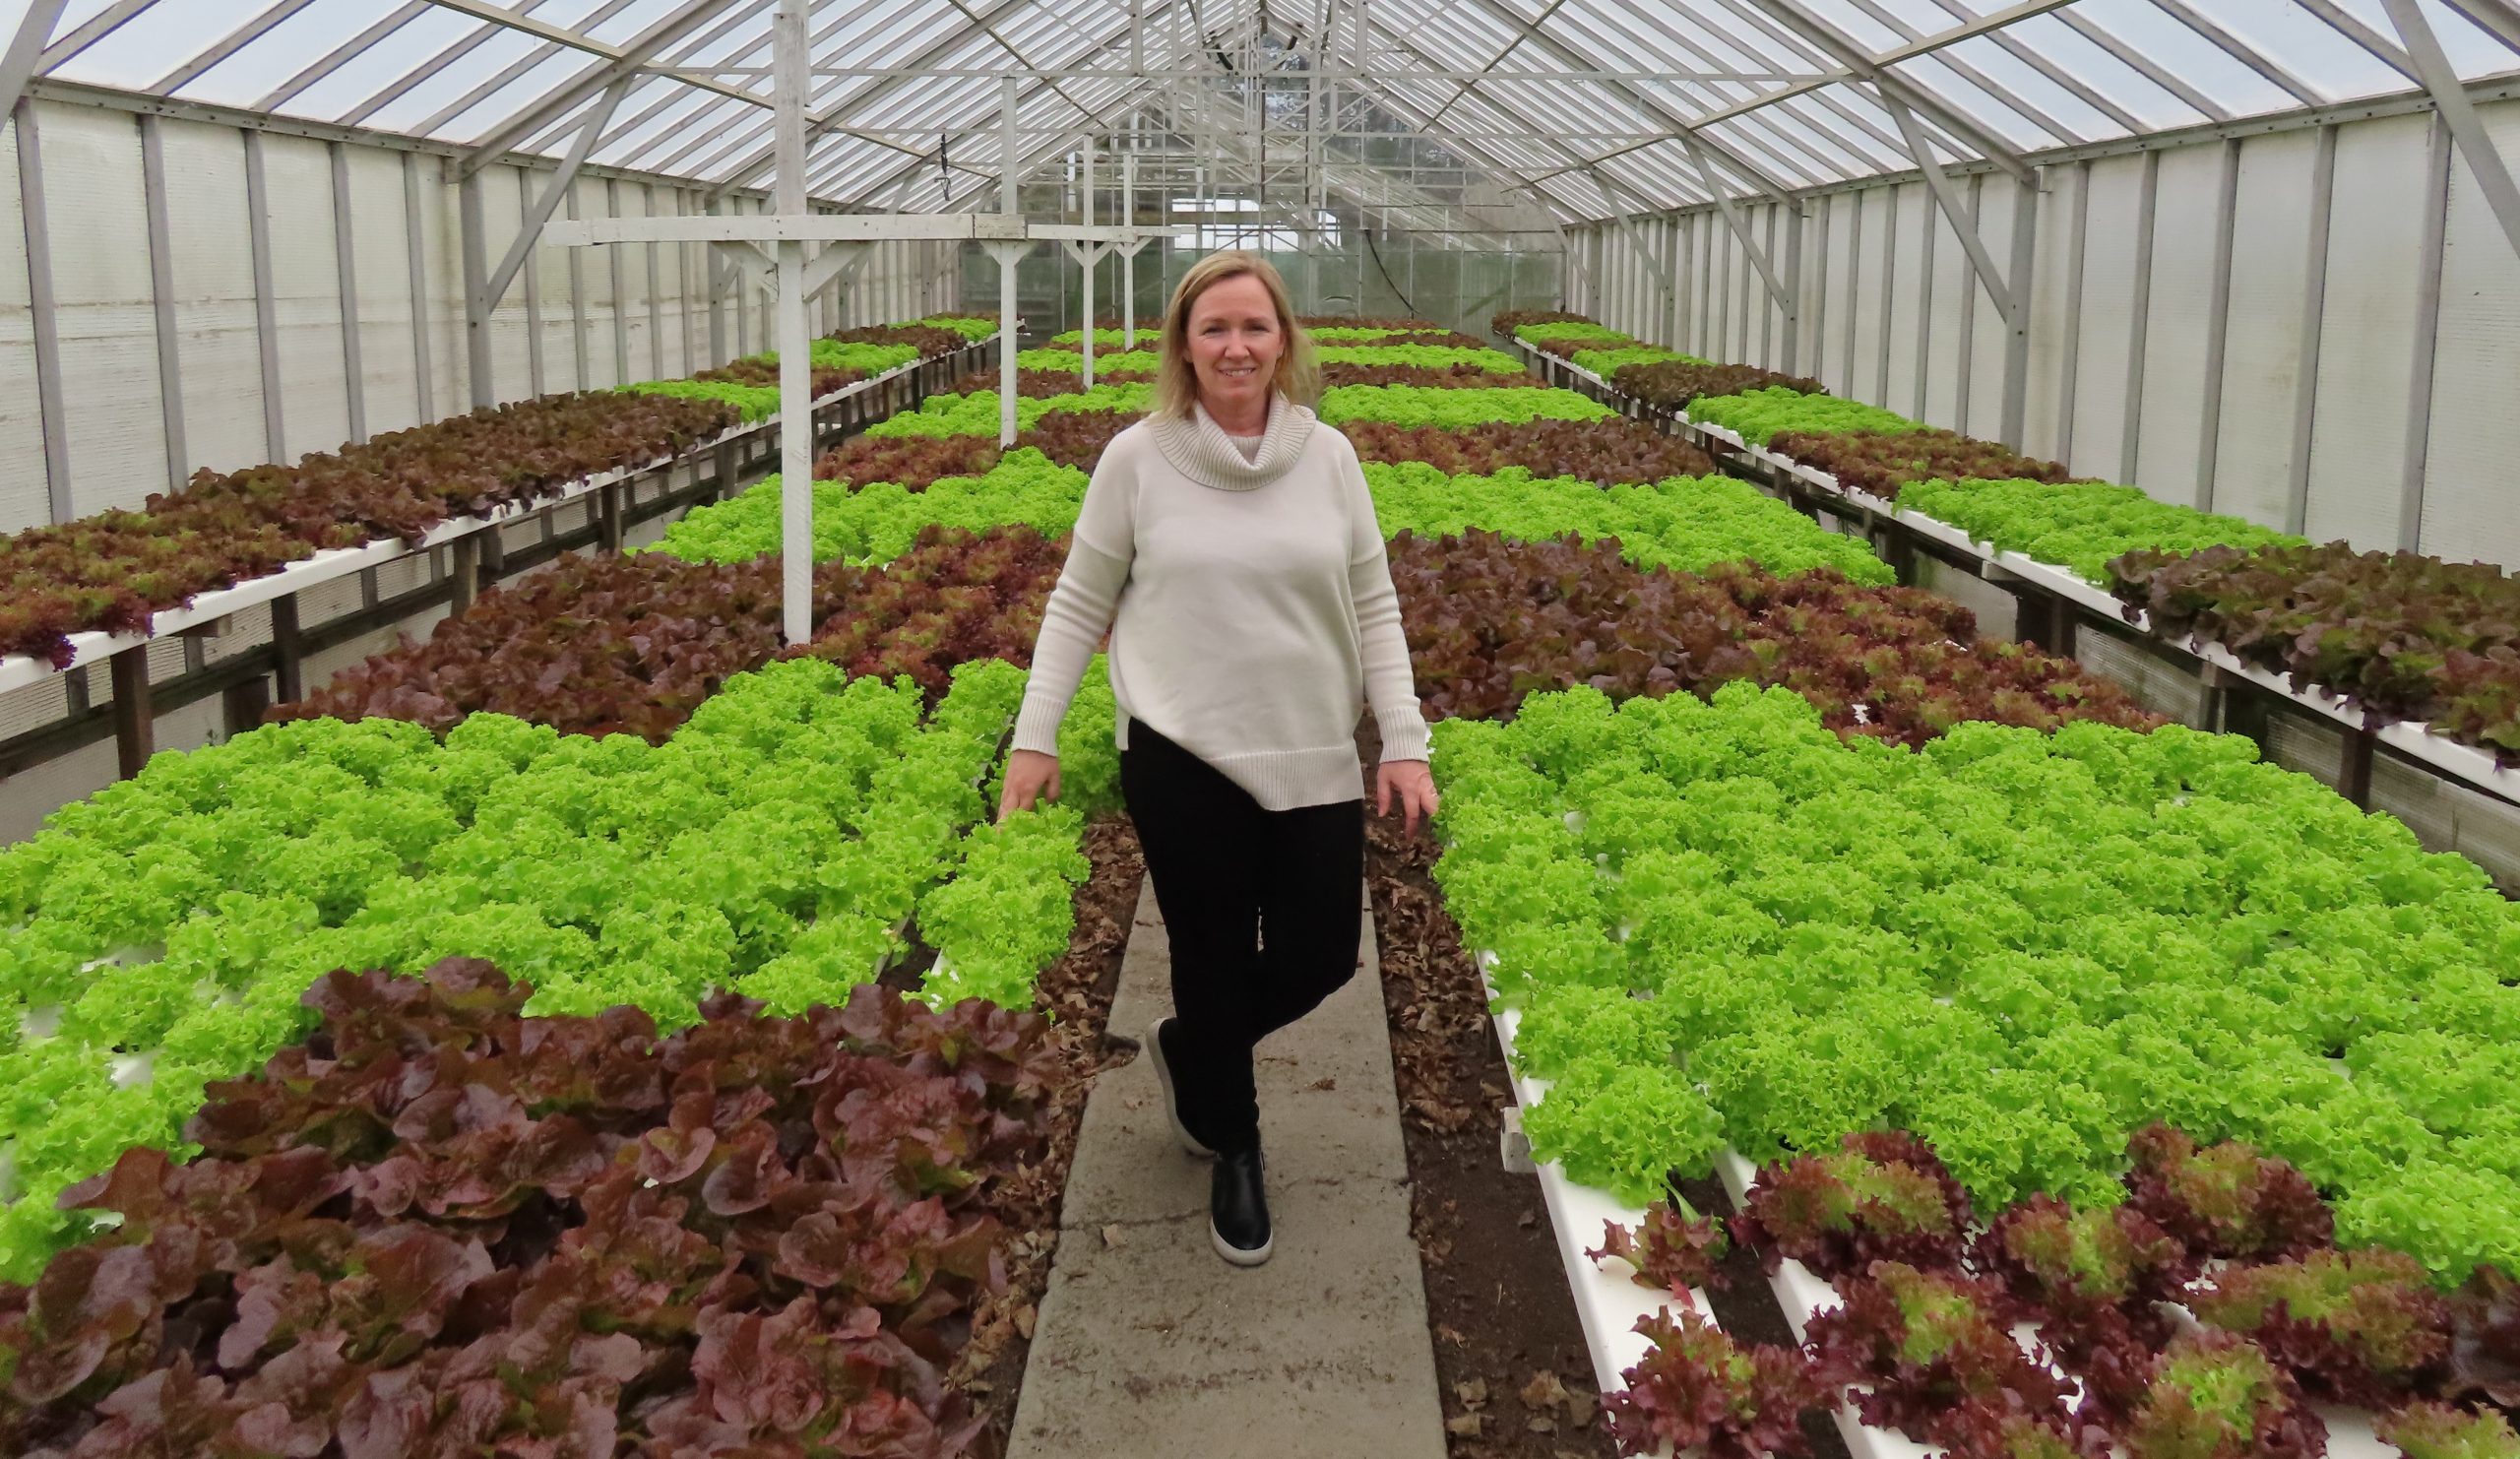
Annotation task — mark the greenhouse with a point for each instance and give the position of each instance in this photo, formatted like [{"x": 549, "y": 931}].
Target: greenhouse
[{"x": 1347, "y": 728}]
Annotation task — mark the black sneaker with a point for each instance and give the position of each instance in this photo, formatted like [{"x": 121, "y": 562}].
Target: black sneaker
[
  {"x": 1171, "y": 1101},
  {"x": 1238, "y": 1209}
]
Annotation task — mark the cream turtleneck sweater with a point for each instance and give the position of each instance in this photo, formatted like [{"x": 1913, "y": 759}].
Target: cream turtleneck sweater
[{"x": 1250, "y": 605}]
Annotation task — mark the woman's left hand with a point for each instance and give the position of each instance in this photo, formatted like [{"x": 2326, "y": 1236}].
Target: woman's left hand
[{"x": 1413, "y": 782}]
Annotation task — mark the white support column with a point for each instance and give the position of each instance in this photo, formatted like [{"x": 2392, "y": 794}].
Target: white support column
[
  {"x": 1007, "y": 256},
  {"x": 1093, "y": 258},
  {"x": 1129, "y": 256},
  {"x": 790, "y": 54}
]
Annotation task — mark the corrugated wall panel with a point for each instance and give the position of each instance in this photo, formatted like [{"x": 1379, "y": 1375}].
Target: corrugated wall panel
[
  {"x": 442, "y": 258},
  {"x": 306, "y": 294},
  {"x": 2474, "y": 461},
  {"x": 1909, "y": 302},
  {"x": 1987, "y": 334},
  {"x": 511, "y": 353},
  {"x": 2262, "y": 352},
  {"x": 1846, "y": 237},
  {"x": 381, "y": 238},
  {"x": 1771, "y": 312},
  {"x": 214, "y": 281},
  {"x": 2051, "y": 306},
  {"x": 1713, "y": 342},
  {"x": 104, "y": 308},
  {"x": 647, "y": 361},
  {"x": 2357, "y": 444},
  {"x": 672, "y": 269},
  {"x": 1951, "y": 280},
  {"x": 2174, "y": 340},
  {"x": 2107, "y": 304},
  {"x": 596, "y": 278},
  {"x": 550, "y": 268},
  {"x": 25, "y": 498},
  {"x": 1881, "y": 215}
]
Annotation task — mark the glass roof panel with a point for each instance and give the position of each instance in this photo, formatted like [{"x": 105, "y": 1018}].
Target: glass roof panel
[
  {"x": 1856, "y": 23},
  {"x": 2021, "y": 79},
  {"x": 328, "y": 87},
  {"x": 140, "y": 52},
  {"x": 2152, "y": 104},
  {"x": 2149, "y": 30},
  {"x": 625, "y": 24},
  {"x": 286, "y": 49},
  {"x": 691, "y": 113},
  {"x": 2051, "y": 74},
  {"x": 428, "y": 95},
  {"x": 2314, "y": 50},
  {"x": 551, "y": 76},
  {"x": 2474, "y": 51}
]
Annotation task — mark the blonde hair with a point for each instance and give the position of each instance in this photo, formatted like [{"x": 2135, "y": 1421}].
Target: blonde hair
[{"x": 1177, "y": 381}]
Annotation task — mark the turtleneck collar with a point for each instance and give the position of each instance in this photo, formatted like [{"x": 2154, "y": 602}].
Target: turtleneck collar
[{"x": 1199, "y": 448}]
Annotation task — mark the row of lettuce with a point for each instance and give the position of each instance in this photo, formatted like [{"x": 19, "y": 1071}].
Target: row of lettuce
[
  {"x": 1823, "y": 898},
  {"x": 163, "y": 931},
  {"x": 112, "y": 571},
  {"x": 2403, "y": 635}
]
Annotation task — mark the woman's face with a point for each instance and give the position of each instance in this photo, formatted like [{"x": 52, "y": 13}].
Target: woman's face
[{"x": 1236, "y": 342}]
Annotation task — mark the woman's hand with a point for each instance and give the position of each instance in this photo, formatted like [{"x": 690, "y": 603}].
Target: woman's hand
[
  {"x": 1030, "y": 777},
  {"x": 1413, "y": 782}
]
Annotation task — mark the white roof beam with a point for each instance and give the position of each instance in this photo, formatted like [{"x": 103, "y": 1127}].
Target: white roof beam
[{"x": 26, "y": 51}]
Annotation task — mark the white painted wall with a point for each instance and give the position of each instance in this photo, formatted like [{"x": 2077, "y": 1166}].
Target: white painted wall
[
  {"x": 598, "y": 318},
  {"x": 1851, "y": 271}
]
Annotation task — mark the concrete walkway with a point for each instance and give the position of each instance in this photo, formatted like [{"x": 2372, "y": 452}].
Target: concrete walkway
[{"x": 1148, "y": 1346}]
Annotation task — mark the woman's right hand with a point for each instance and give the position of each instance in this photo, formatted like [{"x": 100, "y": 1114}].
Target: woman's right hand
[{"x": 1030, "y": 777}]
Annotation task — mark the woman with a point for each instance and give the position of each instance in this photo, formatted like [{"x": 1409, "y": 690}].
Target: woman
[{"x": 1229, "y": 544}]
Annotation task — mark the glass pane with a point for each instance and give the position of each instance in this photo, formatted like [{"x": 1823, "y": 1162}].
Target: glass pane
[
  {"x": 2025, "y": 81},
  {"x": 452, "y": 78},
  {"x": 557, "y": 73},
  {"x": 155, "y": 43},
  {"x": 2152, "y": 104},
  {"x": 382, "y": 64},
  {"x": 2147, "y": 30}
]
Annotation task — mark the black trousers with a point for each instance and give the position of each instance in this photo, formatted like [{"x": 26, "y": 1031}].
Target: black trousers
[{"x": 1264, "y": 910}]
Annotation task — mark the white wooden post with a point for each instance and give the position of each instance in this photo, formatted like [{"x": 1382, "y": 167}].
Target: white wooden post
[
  {"x": 1007, "y": 254},
  {"x": 1129, "y": 258},
  {"x": 1091, "y": 257},
  {"x": 792, "y": 57}
]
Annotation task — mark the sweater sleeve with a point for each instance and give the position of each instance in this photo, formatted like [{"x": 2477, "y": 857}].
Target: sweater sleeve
[
  {"x": 1391, "y": 689},
  {"x": 1082, "y": 605}
]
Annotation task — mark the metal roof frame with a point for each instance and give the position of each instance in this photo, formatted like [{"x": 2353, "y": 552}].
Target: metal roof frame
[{"x": 1778, "y": 96}]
